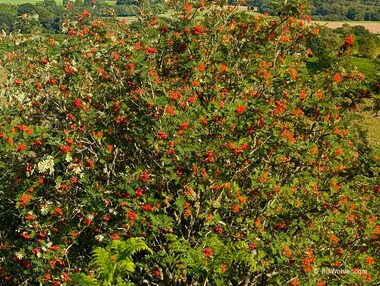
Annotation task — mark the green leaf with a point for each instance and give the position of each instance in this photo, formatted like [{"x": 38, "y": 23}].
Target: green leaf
[{"x": 82, "y": 280}]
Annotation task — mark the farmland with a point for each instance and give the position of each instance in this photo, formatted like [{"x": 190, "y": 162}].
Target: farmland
[{"x": 373, "y": 27}]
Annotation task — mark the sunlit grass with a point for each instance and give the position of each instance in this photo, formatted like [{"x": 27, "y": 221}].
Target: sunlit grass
[
  {"x": 3, "y": 75},
  {"x": 370, "y": 122},
  {"x": 372, "y": 125},
  {"x": 111, "y": 2},
  {"x": 365, "y": 66}
]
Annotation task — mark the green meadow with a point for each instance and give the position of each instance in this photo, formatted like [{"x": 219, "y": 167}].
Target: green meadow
[{"x": 371, "y": 123}]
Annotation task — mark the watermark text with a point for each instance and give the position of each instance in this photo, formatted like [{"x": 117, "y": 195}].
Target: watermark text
[{"x": 335, "y": 271}]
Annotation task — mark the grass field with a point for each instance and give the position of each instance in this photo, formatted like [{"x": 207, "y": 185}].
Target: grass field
[
  {"x": 370, "y": 122},
  {"x": 365, "y": 66}
]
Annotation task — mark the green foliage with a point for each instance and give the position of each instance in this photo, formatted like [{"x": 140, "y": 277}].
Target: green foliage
[
  {"x": 367, "y": 47},
  {"x": 366, "y": 66},
  {"x": 324, "y": 47},
  {"x": 346, "y": 10},
  {"x": 112, "y": 264},
  {"x": 8, "y": 8},
  {"x": 204, "y": 133},
  {"x": 7, "y": 21},
  {"x": 83, "y": 280}
]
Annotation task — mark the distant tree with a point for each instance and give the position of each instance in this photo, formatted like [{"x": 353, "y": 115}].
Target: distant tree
[
  {"x": 367, "y": 46},
  {"x": 372, "y": 16},
  {"x": 345, "y": 30},
  {"x": 323, "y": 47},
  {"x": 7, "y": 21},
  {"x": 8, "y": 8},
  {"x": 28, "y": 24},
  {"x": 355, "y": 14},
  {"x": 48, "y": 19},
  {"x": 49, "y": 3},
  {"x": 46, "y": 13},
  {"x": 345, "y": 10},
  {"x": 26, "y": 8},
  {"x": 360, "y": 30}
]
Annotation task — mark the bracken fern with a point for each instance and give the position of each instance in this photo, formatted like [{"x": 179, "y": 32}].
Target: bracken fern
[{"x": 114, "y": 264}]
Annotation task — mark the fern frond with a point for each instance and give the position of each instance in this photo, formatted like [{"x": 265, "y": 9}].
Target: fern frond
[
  {"x": 126, "y": 249},
  {"x": 82, "y": 280},
  {"x": 103, "y": 263},
  {"x": 126, "y": 267},
  {"x": 245, "y": 258},
  {"x": 113, "y": 264},
  {"x": 180, "y": 252},
  {"x": 121, "y": 282}
]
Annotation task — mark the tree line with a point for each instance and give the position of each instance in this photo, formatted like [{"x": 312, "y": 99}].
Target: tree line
[
  {"x": 354, "y": 10},
  {"x": 47, "y": 15}
]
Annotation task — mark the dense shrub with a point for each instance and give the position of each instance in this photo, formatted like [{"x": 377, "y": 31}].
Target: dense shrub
[{"x": 205, "y": 134}]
